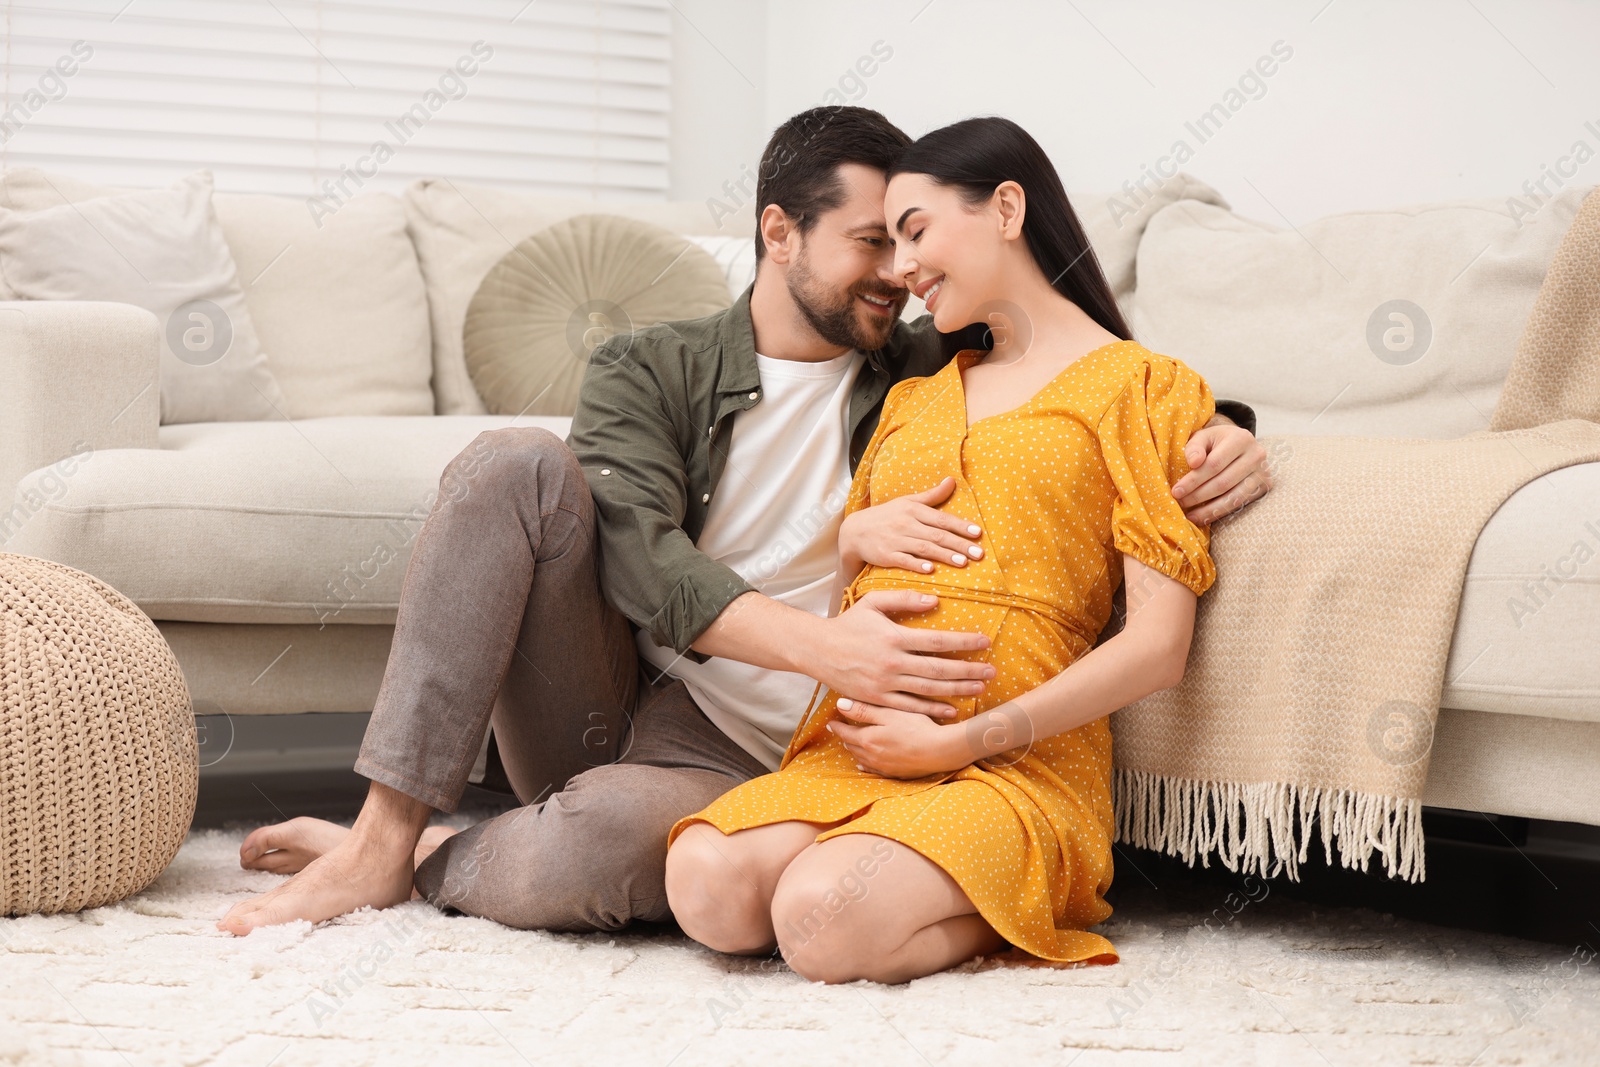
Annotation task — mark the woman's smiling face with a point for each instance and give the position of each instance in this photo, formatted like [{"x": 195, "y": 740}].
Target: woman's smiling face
[{"x": 948, "y": 253}]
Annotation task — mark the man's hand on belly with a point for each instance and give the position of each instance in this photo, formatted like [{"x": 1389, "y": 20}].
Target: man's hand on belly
[
  {"x": 865, "y": 654},
  {"x": 862, "y": 653}
]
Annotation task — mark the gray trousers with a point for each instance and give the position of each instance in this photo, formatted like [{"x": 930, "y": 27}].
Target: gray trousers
[{"x": 502, "y": 620}]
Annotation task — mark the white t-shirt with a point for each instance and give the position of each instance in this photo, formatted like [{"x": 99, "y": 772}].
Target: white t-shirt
[{"x": 775, "y": 521}]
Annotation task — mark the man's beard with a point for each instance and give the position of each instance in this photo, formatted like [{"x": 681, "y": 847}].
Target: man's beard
[{"x": 836, "y": 318}]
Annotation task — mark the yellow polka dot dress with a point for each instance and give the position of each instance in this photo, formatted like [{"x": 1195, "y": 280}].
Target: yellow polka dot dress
[{"x": 1062, "y": 486}]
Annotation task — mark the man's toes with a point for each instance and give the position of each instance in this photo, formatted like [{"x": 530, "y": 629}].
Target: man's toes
[
  {"x": 266, "y": 915},
  {"x": 261, "y": 861},
  {"x": 238, "y": 915},
  {"x": 255, "y": 845},
  {"x": 295, "y": 843},
  {"x": 241, "y": 925},
  {"x": 278, "y": 863},
  {"x": 265, "y": 839},
  {"x": 236, "y": 921},
  {"x": 269, "y": 909}
]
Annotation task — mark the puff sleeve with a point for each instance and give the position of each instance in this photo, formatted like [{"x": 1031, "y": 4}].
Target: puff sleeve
[{"x": 1142, "y": 437}]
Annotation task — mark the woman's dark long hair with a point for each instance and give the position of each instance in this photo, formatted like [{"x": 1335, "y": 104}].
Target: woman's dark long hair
[{"x": 975, "y": 156}]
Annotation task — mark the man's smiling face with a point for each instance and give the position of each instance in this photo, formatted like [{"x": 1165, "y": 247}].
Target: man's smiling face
[{"x": 841, "y": 277}]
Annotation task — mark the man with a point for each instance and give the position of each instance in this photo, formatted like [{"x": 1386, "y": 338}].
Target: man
[{"x": 700, "y": 501}]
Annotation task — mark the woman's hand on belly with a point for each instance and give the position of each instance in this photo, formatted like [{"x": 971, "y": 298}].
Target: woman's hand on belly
[
  {"x": 909, "y": 533},
  {"x": 899, "y": 744}
]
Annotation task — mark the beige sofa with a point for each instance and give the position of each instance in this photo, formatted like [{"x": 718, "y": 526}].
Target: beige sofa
[{"x": 271, "y": 553}]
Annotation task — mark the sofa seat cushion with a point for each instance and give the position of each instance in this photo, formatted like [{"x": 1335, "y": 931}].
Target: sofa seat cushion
[
  {"x": 254, "y": 522},
  {"x": 312, "y": 522},
  {"x": 1529, "y": 625}
]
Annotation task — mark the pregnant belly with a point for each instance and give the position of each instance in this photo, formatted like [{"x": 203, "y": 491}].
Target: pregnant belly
[{"x": 1027, "y": 645}]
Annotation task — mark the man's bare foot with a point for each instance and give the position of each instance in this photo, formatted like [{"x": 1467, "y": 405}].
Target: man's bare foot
[
  {"x": 286, "y": 847},
  {"x": 351, "y": 875},
  {"x": 373, "y": 865}
]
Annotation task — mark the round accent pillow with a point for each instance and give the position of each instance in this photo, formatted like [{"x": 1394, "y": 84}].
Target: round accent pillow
[
  {"x": 541, "y": 310},
  {"x": 99, "y": 763}
]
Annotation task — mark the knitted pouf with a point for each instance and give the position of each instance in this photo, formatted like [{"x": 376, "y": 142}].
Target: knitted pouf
[{"x": 99, "y": 764}]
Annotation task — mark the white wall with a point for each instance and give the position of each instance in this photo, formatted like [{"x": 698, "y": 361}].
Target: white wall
[
  {"x": 718, "y": 119},
  {"x": 1380, "y": 104}
]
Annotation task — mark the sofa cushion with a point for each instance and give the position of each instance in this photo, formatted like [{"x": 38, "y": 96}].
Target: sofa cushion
[
  {"x": 1529, "y": 625},
  {"x": 337, "y": 302},
  {"x": 255, "y": 522},
  {"x": 541, "y": 310},
  {"x": 162, "y": 250},
  {"x": 1115, "y": 224},
  {"x": 1388, "y": 323},
  {"x": 462, "y": 230}
]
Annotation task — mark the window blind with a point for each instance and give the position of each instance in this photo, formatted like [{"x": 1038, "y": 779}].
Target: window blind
[{"x": 280, "y": 96}]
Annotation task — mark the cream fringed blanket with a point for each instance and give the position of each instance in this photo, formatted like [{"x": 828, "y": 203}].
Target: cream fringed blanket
[{"x": 1318, "y": 658}]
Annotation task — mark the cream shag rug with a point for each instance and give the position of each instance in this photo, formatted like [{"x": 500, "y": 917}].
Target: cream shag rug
[{"x": 1205, "y": 978}]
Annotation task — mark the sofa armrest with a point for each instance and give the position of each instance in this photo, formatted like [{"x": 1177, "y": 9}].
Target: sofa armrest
[{"x": 78, "y": 377}]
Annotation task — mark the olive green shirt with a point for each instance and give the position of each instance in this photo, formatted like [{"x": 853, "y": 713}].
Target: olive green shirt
[{"x": 652, "y": 429}]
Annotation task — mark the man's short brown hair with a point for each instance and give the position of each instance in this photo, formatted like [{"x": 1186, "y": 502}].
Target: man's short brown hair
[{"x": 800, "y": 167}]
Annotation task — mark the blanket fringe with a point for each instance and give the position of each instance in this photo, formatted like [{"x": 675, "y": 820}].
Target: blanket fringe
[{"x": 1250, "y": 826}]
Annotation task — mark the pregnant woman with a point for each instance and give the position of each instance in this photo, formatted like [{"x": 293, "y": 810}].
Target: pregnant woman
[{"x": 888, "y": 845}]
